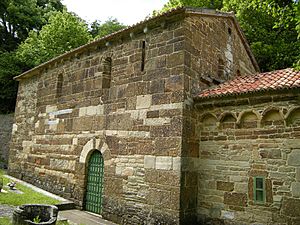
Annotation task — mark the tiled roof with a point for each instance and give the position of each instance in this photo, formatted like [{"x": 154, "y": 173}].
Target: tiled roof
[{"x": 275, "y": 80}]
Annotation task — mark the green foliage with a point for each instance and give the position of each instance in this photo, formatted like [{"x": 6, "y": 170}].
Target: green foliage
[
  {"x": 18, "y": 17},
  {"x": 5, "y": 221},
  {"x": 211, "y": 4},
  {"x": 271, "y": 27},
  {"x": 99, "y": 30},
  {"x": 37, "y": 219},
  {"x": 9, "y": 67},
  {"x": 64, "y": 32}
]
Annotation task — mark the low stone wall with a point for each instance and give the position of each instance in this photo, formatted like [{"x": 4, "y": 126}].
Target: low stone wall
[{"x": 6, "y": 123}]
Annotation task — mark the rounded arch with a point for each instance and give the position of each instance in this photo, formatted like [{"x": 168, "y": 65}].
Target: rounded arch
[
  {"x": 292, "y": 117},
  {"x": 272, "y": 116},
  {"x": 92, "y": 145},
  {"x": 227, "y": 120},
  {"x": 227, "y": 117},
  {"x": 208, "y": 121},
  {"x": 249, "y": 119}
]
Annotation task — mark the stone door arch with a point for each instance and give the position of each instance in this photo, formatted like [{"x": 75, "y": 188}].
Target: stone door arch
[{"x": 94, "y": 182}]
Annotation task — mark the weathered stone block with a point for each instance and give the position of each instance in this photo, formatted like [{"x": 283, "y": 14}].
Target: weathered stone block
[
  {"x": 175, "y": 59},
  {"x": 291, "y": 207},
  {"x": 292, "y": 143},
  {"x": 153, "y": 114},
  {"x": 295, "y": 188},
  {"x": 143, "y": 101},
  {"x": 176, "y": 163},
  {"x": 62, "y": 164},
  {"x": 163, "y": 163},
  {"x": 149, "y": 162},
  {"x": 174, "y": 83},
  {"x": 270, "y": 153},
  {"x": 235, "y": 199},
  {"x": 298, "y": 174},
  {"x": 294, "y": 158},
  {"x": 225, "y": 186}
]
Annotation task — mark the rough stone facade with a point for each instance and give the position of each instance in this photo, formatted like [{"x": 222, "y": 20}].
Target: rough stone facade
[
  {"x": 6, "y": 123},
  {"x": 130, "y": 96},
  {"x": 239, "y": 139}
]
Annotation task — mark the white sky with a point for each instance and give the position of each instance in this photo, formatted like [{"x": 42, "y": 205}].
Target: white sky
[{"x": 127, "y": 12}]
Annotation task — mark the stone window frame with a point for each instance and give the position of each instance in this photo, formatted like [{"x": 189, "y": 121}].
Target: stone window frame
[
  {"x": 255, "y": 189},
  {"x": 268, "y": 187}
]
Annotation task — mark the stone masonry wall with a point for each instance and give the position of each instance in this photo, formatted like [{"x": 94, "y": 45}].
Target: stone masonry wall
[
  {"x": 136, "y": 124},
  {"x": 214, "y": 52},
  {"x": 240, "y": 139},
  {"x": 6, "y": 122}
]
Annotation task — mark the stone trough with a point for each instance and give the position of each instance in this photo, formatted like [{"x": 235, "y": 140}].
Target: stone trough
[{"x": 35, "y": 214}]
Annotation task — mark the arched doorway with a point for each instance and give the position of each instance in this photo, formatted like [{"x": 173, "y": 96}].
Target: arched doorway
[{"x": 94, "y": 185}]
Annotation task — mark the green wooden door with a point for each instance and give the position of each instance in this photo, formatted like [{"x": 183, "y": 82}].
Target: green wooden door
[{"x": 93, "y": 197}]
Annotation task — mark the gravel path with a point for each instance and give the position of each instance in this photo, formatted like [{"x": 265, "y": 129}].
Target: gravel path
[{"x": 6, "y": 210}]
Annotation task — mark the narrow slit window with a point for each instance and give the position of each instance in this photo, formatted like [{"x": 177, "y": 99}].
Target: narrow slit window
[
  {"x": 60, "y": 80},
  {"x": 107, "y": 67},
  {"x": 143, "y": 55},
  {"x": 259, "y": 189}
]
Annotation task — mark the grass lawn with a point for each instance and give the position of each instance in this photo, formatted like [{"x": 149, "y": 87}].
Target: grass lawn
[
  {"x": 29, "y": 196},
  {"x": 7, "y": 221}
]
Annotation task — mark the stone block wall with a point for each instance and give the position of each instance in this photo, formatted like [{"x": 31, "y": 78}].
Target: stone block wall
[
  {"x": 244, "y": 138},
  {"x": 134, "y": 120},
  {"x": 6, "y": 123}
]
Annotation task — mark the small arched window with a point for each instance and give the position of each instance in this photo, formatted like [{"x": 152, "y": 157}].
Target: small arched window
[{"x": 106, "y": 75}]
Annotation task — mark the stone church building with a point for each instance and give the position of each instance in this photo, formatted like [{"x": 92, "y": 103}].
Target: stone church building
[{"x": 159, "y": 124}]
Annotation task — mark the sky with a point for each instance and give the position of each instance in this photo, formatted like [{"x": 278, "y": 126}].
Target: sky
[{"x": 127, "y": 12}]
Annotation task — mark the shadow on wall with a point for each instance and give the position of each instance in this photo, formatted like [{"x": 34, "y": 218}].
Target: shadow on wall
[{"x": 6, "y": 123}]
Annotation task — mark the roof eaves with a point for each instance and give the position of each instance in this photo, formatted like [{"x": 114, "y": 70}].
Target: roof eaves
[
  {"x": 109, "y": 37},
  {"x": 220, "y": 96}
]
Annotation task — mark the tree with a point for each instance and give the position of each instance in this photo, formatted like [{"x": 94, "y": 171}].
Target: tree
[
  {"x": 64, "y": 32},
  {"x": 99, "y": 30},
  {"x": 211, "y": 4},
  {"x": 271, "y": 27},
  {"x": 9, "y": 67},
  {"x": 19, "y": 17}
]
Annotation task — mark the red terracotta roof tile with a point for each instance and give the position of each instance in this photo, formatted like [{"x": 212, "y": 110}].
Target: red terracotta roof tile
[{"x": 279, "y": 79}]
